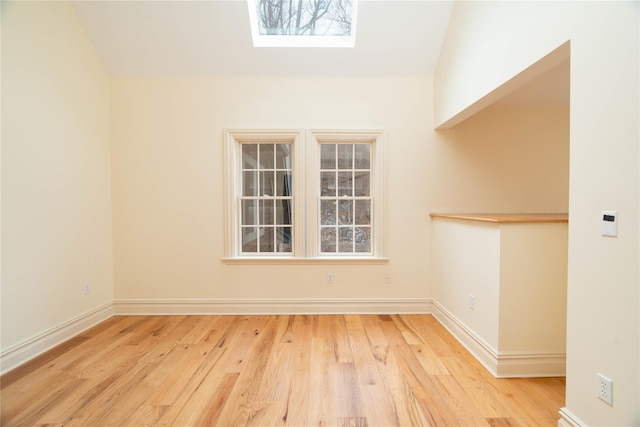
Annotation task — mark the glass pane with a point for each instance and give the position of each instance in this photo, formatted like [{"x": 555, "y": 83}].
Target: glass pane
[
  {"x": 362, "y": 184},
  {"x": 327, "y": 183},
  {"x": 304, "y": 18},
  {"x": 345, "y": 212},
  {"x": 345, "y": 156},
  {"x": 283, "y": 184},
  {"x": 266, "y": 156},
  {"x": 266, "y": 212},
  {"x": 345, "y": 239},
  {"x": 249, "y": 239},
  {"x": 249, "y": 184},
  {"x": 249, "y": 212},
  {"x": 283, "y": 212},
  {"x": 283, "y": 239},
  {"x": 266, "y": 183},
  {"x": 283, "y": 156},
  {"x": 363, "y": 239},
  {"x": 266, "y": 239},
  {"x": 328, "y": 212},
  {"x": 327, "y": 239},
  {"x": 249, "y": 156},
  {"x": 345, "y": 185},
  {"x": 327, "y": 156},
  {"x": 362, "y": 158},
  {"x": 363, "y": 212}
]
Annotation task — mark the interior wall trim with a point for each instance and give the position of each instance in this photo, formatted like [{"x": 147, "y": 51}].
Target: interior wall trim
[
  {"x": 568, "y": 419},
  {"x": 272, "y": 306},
  {"x": 26, "y": 350},
  {"x": 501, "y": 364}
]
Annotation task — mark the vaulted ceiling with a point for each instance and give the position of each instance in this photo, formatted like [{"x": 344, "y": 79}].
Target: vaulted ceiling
[{"x": 213, "y": 38}]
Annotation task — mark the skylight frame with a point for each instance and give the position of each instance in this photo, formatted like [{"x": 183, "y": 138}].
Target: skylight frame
[{"x": 263, "y": 40}]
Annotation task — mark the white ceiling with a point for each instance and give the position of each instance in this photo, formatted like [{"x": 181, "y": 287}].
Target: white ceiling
[{"x": 213, "y": 38}]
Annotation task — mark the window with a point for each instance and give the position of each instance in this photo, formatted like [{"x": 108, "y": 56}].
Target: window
[
  {"x": 303, "y": 23},
  {"x": 281, "y": 207},
  {"x": 266, "y": 198}
]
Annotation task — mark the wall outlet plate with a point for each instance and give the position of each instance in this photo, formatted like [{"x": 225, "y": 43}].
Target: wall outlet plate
[{"x": 605, "y": 389}]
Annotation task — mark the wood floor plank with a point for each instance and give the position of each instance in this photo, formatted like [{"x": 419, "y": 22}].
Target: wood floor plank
[{"x": 281, "y": 370}]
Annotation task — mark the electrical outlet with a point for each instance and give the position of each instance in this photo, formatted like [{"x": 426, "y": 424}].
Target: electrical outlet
[
  {"x": 605, "y": 389},
  {"x": 472, "y": 301},
  {"x": 86, "y": 288},
  {"x": 329, "y": 278},
  {"x": 387, "y": 278}
]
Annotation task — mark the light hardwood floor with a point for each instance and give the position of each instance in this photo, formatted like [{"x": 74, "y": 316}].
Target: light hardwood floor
[{"x": 302, "y": 370}]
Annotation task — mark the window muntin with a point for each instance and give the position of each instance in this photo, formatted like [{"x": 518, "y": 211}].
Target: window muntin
[
  {"x": 345, "y": 198},
  {"x": 273, "y": 187},
  {"x": 267, "y": 198}
]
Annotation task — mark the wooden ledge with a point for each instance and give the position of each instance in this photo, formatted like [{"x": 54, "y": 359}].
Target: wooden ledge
[{"x": 506, "y": 218}]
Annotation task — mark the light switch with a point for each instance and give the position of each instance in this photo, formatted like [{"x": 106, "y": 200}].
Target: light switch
[{"x": 610, "y": 223}]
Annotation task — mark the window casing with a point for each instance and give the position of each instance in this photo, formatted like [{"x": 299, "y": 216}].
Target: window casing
[{"x": 312, "y": 196}]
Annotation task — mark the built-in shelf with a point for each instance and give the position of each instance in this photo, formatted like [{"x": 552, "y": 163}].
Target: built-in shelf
[{"x": 506, "y": 217}]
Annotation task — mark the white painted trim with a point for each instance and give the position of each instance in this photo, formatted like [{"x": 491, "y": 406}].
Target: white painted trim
[
  {"x": 569, "y": 419},
  {"x": 374, "y": 137},
  {"x": 501, "y": 364},
  {"x": 272, "y": 306},
  {"x": 23, "y": 352},
  {"x": 232, "y": 183}
]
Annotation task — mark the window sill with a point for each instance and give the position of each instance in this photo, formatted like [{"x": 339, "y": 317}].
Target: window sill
[{"x": 310, "y": 261}]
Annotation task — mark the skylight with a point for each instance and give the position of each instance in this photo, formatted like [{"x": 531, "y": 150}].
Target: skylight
[{"x": 303, "y": 23}]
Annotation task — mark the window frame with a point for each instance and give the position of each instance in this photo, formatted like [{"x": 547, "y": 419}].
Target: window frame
[
  {"x": 318, "y": 137},
  {"x": 305, "y": 146},
  {"x": 234, "y": 139}
]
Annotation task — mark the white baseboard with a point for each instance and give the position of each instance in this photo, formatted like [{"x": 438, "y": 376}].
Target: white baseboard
[
  {"x": 273, "y": 306},
  {"x": 23, "y": 352},
  {"x": 569, "y": 420},
  {"x": 501, "y": 364}
]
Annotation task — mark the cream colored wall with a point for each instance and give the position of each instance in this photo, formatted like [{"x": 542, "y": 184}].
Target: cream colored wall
[
  {"x": 168, "y": 183},
  {"x": 56, "y": 191},
  {"x": 533, "y": 288},
  {"x": 487, "y": 44},
  {"x": 503, "y": 159},
  {"x": 466, "y": 261}
]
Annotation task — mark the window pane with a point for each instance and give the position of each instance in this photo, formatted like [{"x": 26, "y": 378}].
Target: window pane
[
  {"x": 363, "y": 212},
  {"x": 345, "y": 156},
  {"x": 249, "y": 184},
  {"x": 327, "y": 156},
  {"x": 249, "y": 156},
  {"x": 327, "y": 212},
  {"x": 283, "y": 184},
  {"x": 327, "y": 183},
  {"x": 266, "y": 156},
  {"x": 266, "y": 212},
  {"x": 283, "y": 156},
  {"x": 249, "y": 239},
  {"x": 345, "y": 239},
  {"x": 266, "y": 239},
  {"x": 345, "y": 184},
  {"x": 345, "y": 212},
  {"x": 327, "y": 239},
  {"x": 362, "y": 157},
  {"x": 249, "y": 212},
  {"x": 362, "y": 184},
  {"x": 283, "y": 239},
  {"x": 363, "y": 239},
  {"x": 266, "y": 183},
  {"x": 283, "y": 212}
]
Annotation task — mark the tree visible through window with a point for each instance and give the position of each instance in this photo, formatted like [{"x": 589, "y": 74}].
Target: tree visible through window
[
  {"x": 304, "y": 17},
  {"x": 345, "y": 198}
]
